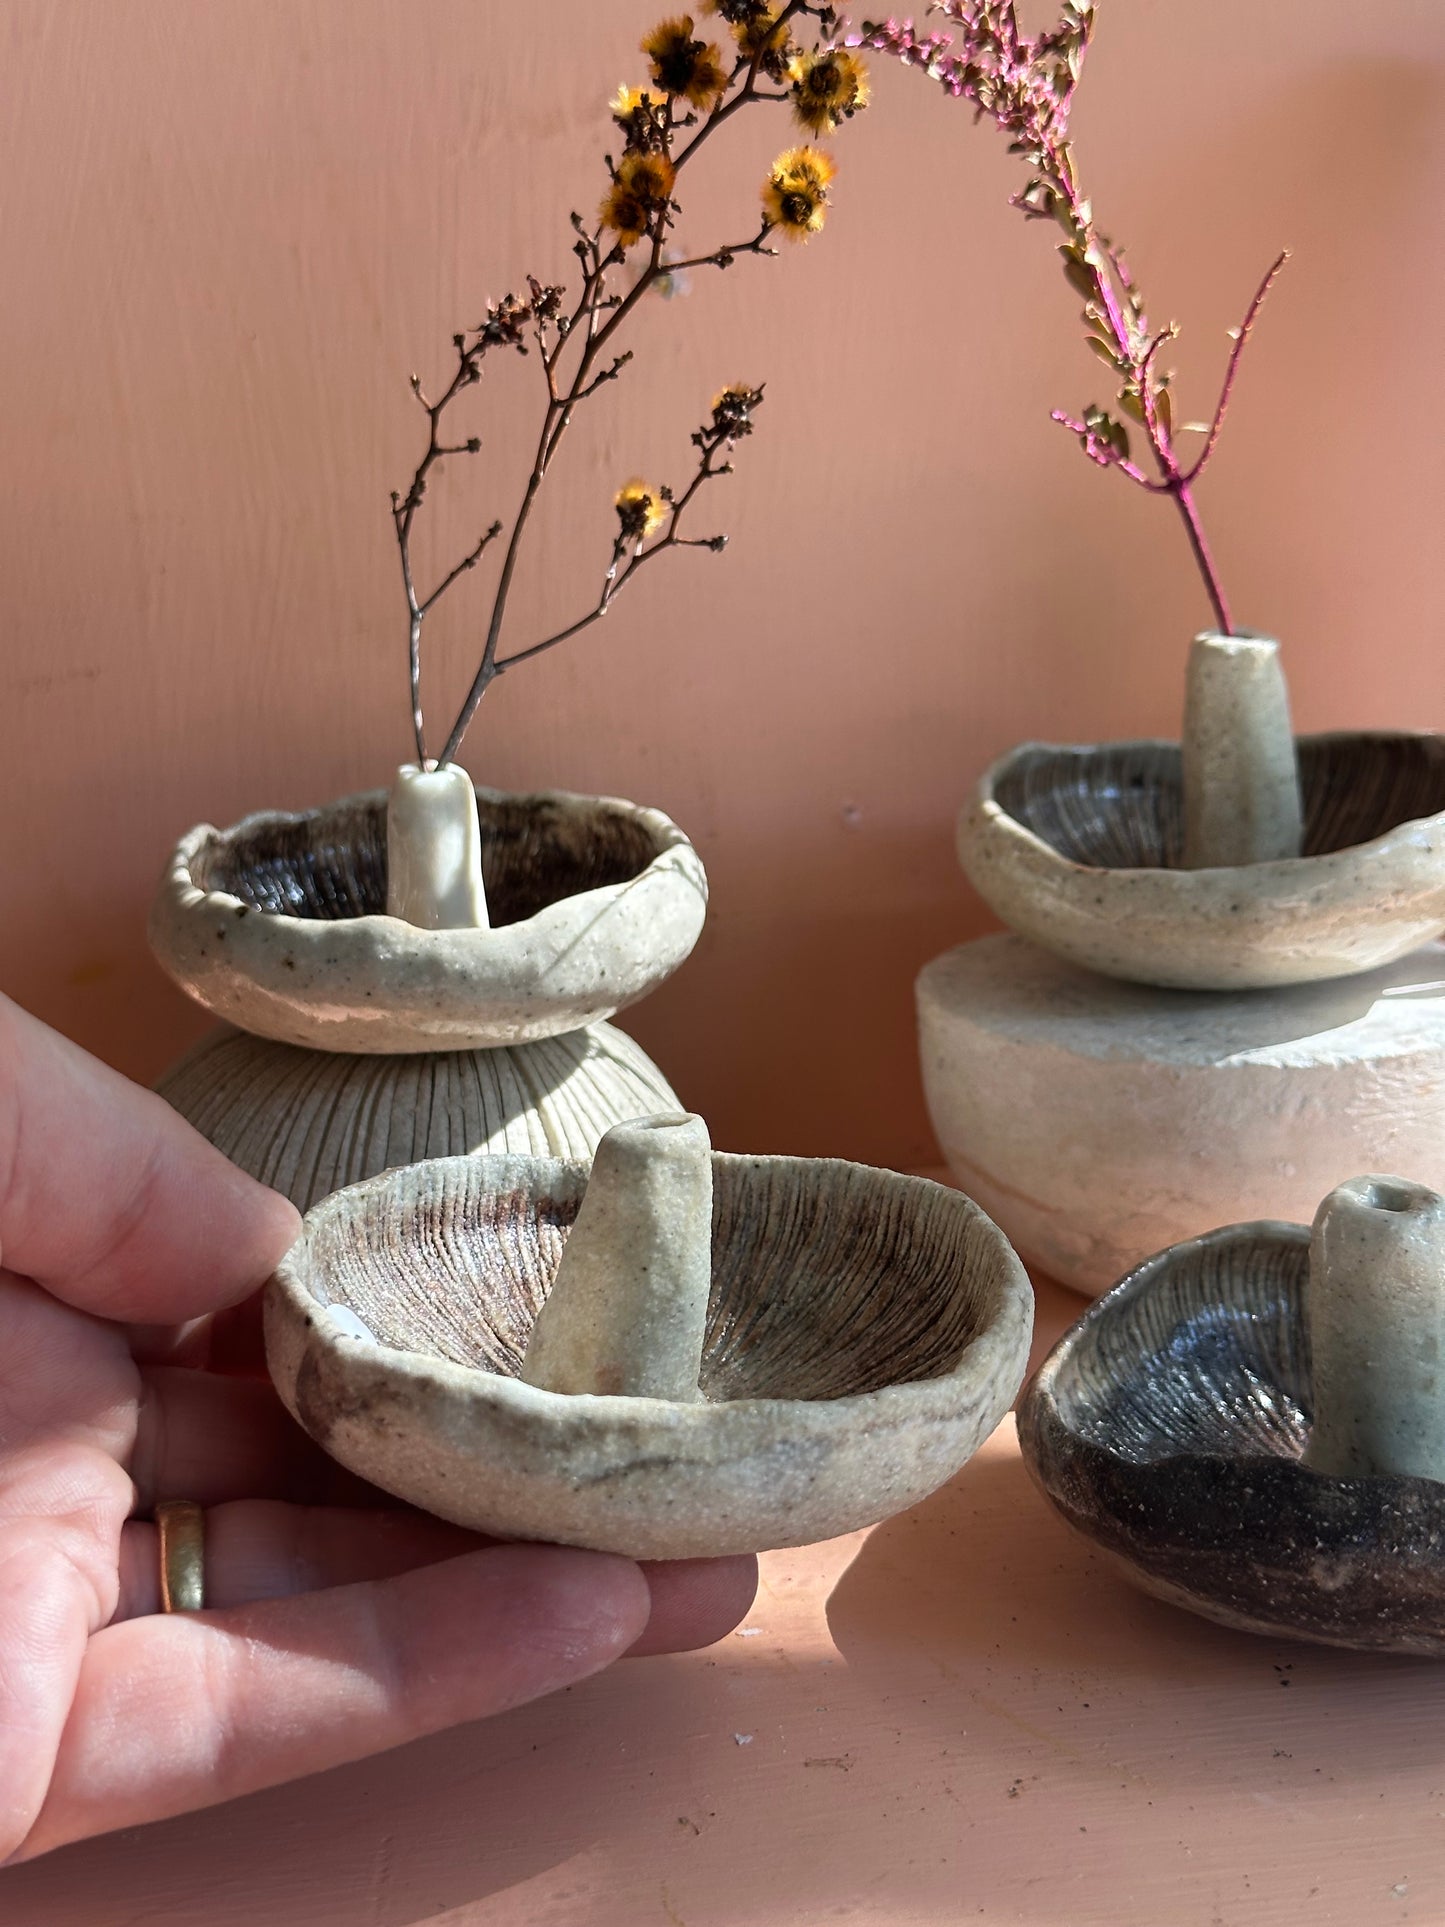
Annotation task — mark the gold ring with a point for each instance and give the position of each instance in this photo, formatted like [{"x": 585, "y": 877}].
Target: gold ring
[{"x": 181, "y": 1529}]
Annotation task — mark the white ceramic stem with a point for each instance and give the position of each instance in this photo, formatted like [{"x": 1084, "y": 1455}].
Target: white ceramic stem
[
  {"x": 1241, "y": 781},
  {"x": 628, "y": 1307},
  {"x": 1376, "y": 1306},
  {"x": 434, "y": 850}
]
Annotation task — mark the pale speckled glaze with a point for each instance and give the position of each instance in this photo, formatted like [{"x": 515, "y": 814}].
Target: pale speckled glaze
[
  {"x": 1169, "y": 1425},
  {"x": 308, "y": 1122},
  {"x": 1081, "y": 849},
  {"x": 866, "y": 1333},
  {"x": 279, "y": 925},
  {"x": 1098, "y": 1121}
]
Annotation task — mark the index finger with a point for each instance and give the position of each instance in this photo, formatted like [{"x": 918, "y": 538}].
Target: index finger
[{"x": 110, "y": 1200}]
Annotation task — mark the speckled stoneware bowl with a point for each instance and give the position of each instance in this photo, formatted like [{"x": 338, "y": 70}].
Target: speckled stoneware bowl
[
  {"x": 279, "y": 924},
  {"x": 865, "y": 1333},
  {"x": 1079, "y": 849},
  {"x": 1168, "y": 1425}
]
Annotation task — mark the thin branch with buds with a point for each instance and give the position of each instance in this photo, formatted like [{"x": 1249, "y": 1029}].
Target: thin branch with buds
[
  {"x": 1026, "y": 86},
  {"x": 665, "y": 125}
]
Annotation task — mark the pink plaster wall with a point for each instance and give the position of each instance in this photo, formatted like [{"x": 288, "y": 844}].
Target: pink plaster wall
[{"x": 229, "y": 232}]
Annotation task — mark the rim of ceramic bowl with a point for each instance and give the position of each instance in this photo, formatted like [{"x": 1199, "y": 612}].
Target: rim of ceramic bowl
[
  {"x": 679, "y": 1480},
  {"x": 1254, "y": 1539},
  {"x": 1333, "y": 913},
  {"x": 368, "y": 982}
]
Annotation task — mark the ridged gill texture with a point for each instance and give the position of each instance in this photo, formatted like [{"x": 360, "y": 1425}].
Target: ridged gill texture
[
  {"x": 308, "y": 1122},
  {"x": 1214, "y": 1357},
  {"x": 827, "y": 1279},
  {"x": 331, "y": 863},
  {"x": 1120, "y": 806},
  {"x": 1168, "y": 1427}
]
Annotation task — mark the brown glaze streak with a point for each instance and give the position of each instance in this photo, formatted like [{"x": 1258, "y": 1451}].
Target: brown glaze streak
[
  {"x": 331, "y": 863},
  {"x": 1120, "y": 806}
]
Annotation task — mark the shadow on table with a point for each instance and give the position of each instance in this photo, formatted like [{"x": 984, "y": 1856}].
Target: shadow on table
[
  {"x": 605, "y": 1775},
  {"x": 995, "y": 1598}
]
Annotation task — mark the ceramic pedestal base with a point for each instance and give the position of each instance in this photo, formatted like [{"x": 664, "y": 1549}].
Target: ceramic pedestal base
[
  {"x": 1098, "y": 1121},
  {"x": 307, "y": 1122}
]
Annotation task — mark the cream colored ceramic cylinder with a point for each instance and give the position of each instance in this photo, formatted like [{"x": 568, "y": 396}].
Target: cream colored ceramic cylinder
[
  {"x": 1376, "y": 1311},
  {"x": 1241, "y": 783},
  {"x": 1098, "y": 1121},
  {"x": 628, "y": 1308},
  {"x": 434, "y": 850}
]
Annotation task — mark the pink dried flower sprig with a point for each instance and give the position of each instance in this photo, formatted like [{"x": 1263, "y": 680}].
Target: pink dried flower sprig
[{"x": 1025, "y": 85}]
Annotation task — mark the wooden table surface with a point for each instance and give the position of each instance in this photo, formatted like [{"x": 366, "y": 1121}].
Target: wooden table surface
[{"x": 960, "y": 1716}]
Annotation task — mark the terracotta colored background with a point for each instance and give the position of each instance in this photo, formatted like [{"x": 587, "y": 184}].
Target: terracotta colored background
[{"x": 228, "y": 234}]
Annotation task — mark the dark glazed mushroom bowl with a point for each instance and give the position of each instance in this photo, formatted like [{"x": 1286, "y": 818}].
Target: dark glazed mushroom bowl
[
  {"x": 1079, "y": 849},
  {"x": 865, "y": 1332},
  {"x": 279, "y": 924},
  {"x": 1168, "y": 1426}
]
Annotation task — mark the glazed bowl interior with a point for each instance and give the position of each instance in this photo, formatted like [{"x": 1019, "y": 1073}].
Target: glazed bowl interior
[
  {"x": 1213, "y": 1358},
  {"x": 817, "y": 1292},
  {"x": 1119, "y": 806},
  {"x": 331, "y": 863}
]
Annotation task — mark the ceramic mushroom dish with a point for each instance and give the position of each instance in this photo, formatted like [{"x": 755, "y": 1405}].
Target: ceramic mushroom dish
[
  {"x": 1240, "y": 858},
  {"x": 686, "y": 1353},
  {"x": 1253, "y": 1423},
  {"x": 446, "y": 919}
]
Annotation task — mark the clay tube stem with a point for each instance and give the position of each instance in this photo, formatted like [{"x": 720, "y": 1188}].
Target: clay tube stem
[
  {"x": 1241, "y": 783},
  {"x": 628, "y": 1308},
  {"x": 1376, "y": 1306},
  {"x": 434, "y": 850}
]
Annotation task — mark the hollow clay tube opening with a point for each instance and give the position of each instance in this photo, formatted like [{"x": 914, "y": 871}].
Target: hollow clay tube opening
[
  {"x": 627, "y": 1311},
  {"x": 1376, "y": 1311},
  {"x": 1241, "y": 782},
  {"x": 434, "y": 850}
]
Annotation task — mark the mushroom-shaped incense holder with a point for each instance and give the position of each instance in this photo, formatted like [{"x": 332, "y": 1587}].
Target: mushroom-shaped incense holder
[
  {"x": 421, "y": 973},
  {"x": 1253, "y": 1423},
  {"x": 1200, "y": 865},
  {"x": 686, "y": 1353},
  {"x": 310, "y": 929}
]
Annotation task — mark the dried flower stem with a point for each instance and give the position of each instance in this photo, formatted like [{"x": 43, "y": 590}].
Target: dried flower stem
[
  {"x": 561, "y": 404},
  {"x": 1026, "y": 86},
  {"x": 577, "y": 357}
]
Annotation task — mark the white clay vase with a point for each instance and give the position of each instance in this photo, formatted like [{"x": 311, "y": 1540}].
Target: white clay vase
[
  {"x": 421, "y": 973},
  {"x": 1243, "y": 858},
  {"x": 679, "y": 1355}
]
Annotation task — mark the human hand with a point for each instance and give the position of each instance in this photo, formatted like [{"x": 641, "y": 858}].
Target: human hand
[{"x": 337, "y": 1622}]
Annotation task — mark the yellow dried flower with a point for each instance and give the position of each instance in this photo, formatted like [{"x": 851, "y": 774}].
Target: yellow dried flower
[
  {"x": 765, "y": 39},
  {"x": 732, "y": 410},
  {"x": 795, "y": 194},
  {"x": 641, "y": 510},
  {"x": 684, "y": 66},
  {"x": 641, "y": 187},
  {"x": 827, "y": 87},
  {"x": 627, "y": 100}
]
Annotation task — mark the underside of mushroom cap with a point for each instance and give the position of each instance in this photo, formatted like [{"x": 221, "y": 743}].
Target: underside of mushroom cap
[
  {"x": 279, "y": 924},
  {"x": 1080, "y": 849},
  {"x": 1169, "y": 1426},
  {"x": 865, "y": 1333}
]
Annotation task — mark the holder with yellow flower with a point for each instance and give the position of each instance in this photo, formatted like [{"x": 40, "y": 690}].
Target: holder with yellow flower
[{"x": 426, "y": 969}]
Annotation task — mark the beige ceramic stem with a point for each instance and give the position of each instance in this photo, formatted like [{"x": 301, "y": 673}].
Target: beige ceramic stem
[
  {"x": 1376, "y": 1308},
  {"x": 1241, "y": 782},
  {"x": 434, "y": 850},
  {"x": 628, "y": 1308}
]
